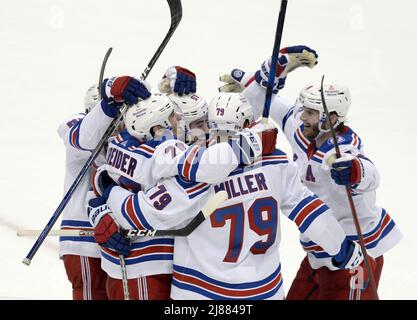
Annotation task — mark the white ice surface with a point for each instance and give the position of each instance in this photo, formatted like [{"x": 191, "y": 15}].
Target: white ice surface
[{"x": 51, "y": 53}]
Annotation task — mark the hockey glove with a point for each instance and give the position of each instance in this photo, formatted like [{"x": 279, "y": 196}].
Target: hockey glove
[
  {"x": 236, "y": 81},
  {"x": 268, "y": 134},
  {"x": 346, "y": 170},
  {"x": 247, "y": 146},
  {"x": 178, "y": 79},
  {"x": 102, "y": 182},
  {"x": 289, "y": 59},
  {"x": 106, "y": 231},
  {"x": 299, "y": 56},
  {"x": 349, "y": 257},
  {"x": 125, "y": 89}
]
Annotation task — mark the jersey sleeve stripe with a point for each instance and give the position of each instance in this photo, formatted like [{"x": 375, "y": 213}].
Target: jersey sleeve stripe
[
  {"x": 284, "y": 120},
  {"x": 271, "y": 158},
  {"x": 129, "y": 215},
  {"x": 372, "y": 238},
  {"x": 133, "y": 214},
  {"x": 309, "y": 213},
  {"x": 306, "y": 211},
  {"x": 74, "y": 136},
  {"x": 196, "y": 163},
  {"x": 188, "y": 162},
  {"x": 77, "y": 239},
  {"x": 203, "y": 188},
  {"x": 302, "y": 204},
  {"x": 192, "y": 189},
  {"x": 196, "y": 188},
  {"x": 385, "y": 225},
  {"x": 76, "y": 223}
]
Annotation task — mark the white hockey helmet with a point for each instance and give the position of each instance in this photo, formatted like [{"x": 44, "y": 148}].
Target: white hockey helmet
[
  {"x": 193, "y": 107},
  {"x": 337, "y": 99},
  {"x": 228, "y": 112},
  {"x": 146, "y": 114},
  {"x": 91, "y": 98}
]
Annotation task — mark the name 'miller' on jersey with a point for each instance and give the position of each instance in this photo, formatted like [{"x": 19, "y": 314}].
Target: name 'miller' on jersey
[{"x": 243, "y": 185}]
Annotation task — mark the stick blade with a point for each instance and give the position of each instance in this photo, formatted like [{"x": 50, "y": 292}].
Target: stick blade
[
  {"x": 214, "y": 203},
  {"x": 176, "y": 11},
  {"x": 26, "y": 261}
]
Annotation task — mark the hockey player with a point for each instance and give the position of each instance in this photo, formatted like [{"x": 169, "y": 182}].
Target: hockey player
[
  {"x": 80, "y": 134},
  {"x": 129, "y": 162},
  {"x": 308, "y": 131},
  {"x": 192, "y": 127},
  {"x": 140, "y": 156},
  {"x": 240, "y": 262},
  {"x": 130, "y": 159},
  {"x": 149, "y": 263}
]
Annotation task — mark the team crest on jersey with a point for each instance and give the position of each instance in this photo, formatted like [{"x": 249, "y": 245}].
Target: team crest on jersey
[{"x": 339, "y": 140}]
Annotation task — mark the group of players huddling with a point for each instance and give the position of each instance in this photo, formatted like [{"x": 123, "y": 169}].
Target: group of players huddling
[{"x": 174, "y": 150}]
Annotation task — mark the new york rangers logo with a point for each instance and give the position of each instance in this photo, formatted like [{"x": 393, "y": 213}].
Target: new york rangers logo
[
  {"x": 339, "y": 140},
  {"x": 237, "y": 74}
]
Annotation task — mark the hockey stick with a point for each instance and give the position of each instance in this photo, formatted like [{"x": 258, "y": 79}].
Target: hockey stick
[
  {"x": 212, "y": 204},
  {"x": 103, "y": 67},
  {"x": 351, "y": 203},
  {"x": 274, "y": 61},
  {"x": 56, "y": 233},
  {"x": 125, "y": 282},
  {"x": 176, "y": 15}
]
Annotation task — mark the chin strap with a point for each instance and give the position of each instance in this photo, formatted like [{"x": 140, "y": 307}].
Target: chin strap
[{"x": 322, "y": 121}]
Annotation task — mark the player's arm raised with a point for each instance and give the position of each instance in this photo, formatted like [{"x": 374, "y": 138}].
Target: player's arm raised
[
  {"x": 290, "y": 58},
  {"x": 115, "y": 92},
  {"x": 85, "y": 131}
]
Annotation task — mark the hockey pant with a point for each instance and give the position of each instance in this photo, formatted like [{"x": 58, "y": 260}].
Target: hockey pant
[
  {"x": 323, "y": 284},
  {"x": 87, "y": 278},
  {"x": 156, "y": 287}
]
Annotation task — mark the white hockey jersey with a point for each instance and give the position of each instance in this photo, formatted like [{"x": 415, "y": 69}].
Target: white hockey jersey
[
  {"x": 234, "y": 254},
  {"x": 379, "y": 229},
  {"x": 80, "y": 134},
  {"x": 138, "y": 166}
]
